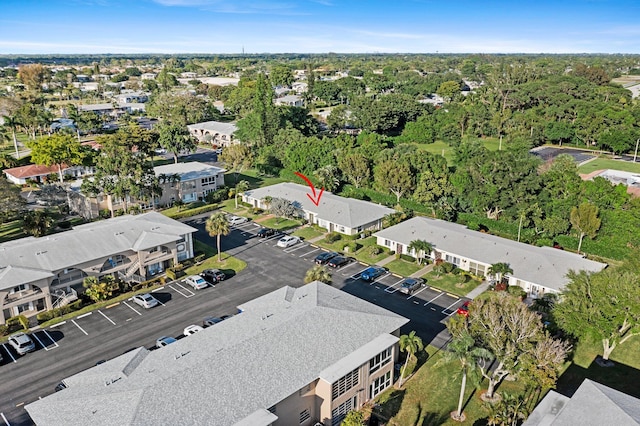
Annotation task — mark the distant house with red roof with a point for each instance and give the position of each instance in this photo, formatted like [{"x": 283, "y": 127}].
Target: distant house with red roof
[{"x": 39, "y": 172}]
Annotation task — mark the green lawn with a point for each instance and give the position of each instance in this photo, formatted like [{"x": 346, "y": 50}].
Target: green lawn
[
  {"x": 451, "y": 283},
  {"x": 253, "y": 178},
  {"x": 606, "y": 163},
  {"x": 308, "y": 232},
  {"x": 362, "y": 254},
  {"x": 229, "y": 265},
  {"x": 431, "y": 394},
  {"x": 11, "y": 231},
  {"x": 402, "y": 267},
  {"x": 279, "y": 223}
]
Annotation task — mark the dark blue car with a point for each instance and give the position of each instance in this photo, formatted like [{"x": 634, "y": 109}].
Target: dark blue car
[{"x": 372, "y": 272}]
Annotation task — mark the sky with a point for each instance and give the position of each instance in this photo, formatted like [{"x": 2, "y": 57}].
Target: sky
[{"x": 319, "y": 26}]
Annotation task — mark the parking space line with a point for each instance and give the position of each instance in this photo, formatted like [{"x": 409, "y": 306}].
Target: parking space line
[
  {"x": 9, "y": 352},
  {"x": 447, "y": 308},
  {"x": 106, "y": 317},
  {"x": 35, "y": 336},
  {"x": 392, "y": 286},
  {"x": 58, "y": 324},
  {"x": 417, "y": 292},
  {"x": 84, "y": 315},
  {"x": 307, "y": 253},
  {"x": 6, "y": 422},
  {"x": 294, "y": 248},
  {"x": 157, "y": 289},
  {"x": 441, "y": 294},
  {"x": 378, "y": 280},
  {"x": 182, "y": 287},
  {"x": 81, "y": 329},
  {"x": 51, "y": 338},
  {"x": 131, "y": 307}
]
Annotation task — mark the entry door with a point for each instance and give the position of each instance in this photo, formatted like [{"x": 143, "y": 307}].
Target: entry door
[{"x": 399, "y": 248}]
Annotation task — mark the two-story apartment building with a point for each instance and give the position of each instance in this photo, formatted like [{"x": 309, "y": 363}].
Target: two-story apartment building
[
  {"x": 214, "y": 132},
  {"x": 38, "y": 274},
  {"x": 538, "y": 270},
  {"x": 194, "y": 181},
  {"x": 334, "y": 213},
  {"x": 295, "y": 356}
]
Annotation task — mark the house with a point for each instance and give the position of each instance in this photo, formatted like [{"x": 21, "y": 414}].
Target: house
[
  {"x": 129, "y": 97},
  {"x": 592, "y": 404},
  {"x": 148, "y": 76},
  {"x": 291, "y": 357},
  {"x": 214, "y": 132},
  {"x": 290, "y": 100},
  {"x": 38, "y": 274},
  {"x": 340, "y": 214},
  {"x": 196, "y": 180},
  {"x": 40, "y": 173},
  {"x": 630, "y": 180},
  {"x": 538, "y": 270}
]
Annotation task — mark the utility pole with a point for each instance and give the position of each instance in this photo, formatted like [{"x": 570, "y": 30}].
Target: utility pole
[{"x": 635, "y": 154}]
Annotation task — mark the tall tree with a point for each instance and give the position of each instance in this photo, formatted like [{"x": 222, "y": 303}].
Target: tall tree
[
  {"x": 37, "y": 223},
  {"x": 240, "y": 188},
  {"x": 411, "y": 344},
  {"x": 176, "y": 138},
  {"x": 585, "y": 220},
  {"x": 59, "y": 149},
  {"x": 237, "y": 158},
  {"x": 33, "y": 76},
  {"x": 355, "y": 168},
  {"x": 283, "y": 208},
  {"x": 12, "y": 123},
  {"x": 394, "y": 177},
  {"x": 11, "y": 203},
  {"x": 328, "y": 177},
  {"x": 499, "y": 270},
  {"x": 603, "y": 305},
  {"x": 218, "y": 225},
  {"x": 421, "y": 248}
]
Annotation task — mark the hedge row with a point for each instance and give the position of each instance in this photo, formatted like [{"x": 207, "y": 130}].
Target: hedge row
[{"x": 192, "y": 212}]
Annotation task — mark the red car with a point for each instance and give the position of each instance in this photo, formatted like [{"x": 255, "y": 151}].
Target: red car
[{"x": 464, "y": 309}]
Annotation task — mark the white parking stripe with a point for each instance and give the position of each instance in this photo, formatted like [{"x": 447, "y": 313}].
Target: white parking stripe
[
  {"x": 84, "y": 315},
  {"x": 447, "y": 308},
  {"x": 157, "y": 289},
  {"x": 106, "y": 317},
  {"x": 393, "y": 286},
  {"x": 6, "y": 422},
  {"x": 178, "y": 291},
  {"x": 309, "y": 252},
  {"x": 294, "y": 248},
  {"x": 433, "y": 299},
  {"x": 58, "y": 324},
  {"x": 35, "y": 336},
  {"x": 81, "y": 329},
  {"x": 418, "y": 292},
  {"x": 131, "y": 307},
  {"x": 9, "y": 352},
  {"x": 357, "y": 274},
  {"x": 378, "y": 280},
  {"x": 50, "y": 338}
]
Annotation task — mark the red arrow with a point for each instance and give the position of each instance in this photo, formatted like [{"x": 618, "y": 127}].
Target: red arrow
[{"x": 315, "y": 198}]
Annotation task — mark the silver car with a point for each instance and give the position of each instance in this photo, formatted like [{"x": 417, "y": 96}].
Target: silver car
[
  {"x": 22, "y": 343},
  {"x": 145, "y": 300}
]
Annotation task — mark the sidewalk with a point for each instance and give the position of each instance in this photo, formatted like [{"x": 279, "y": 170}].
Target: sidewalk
[
  {"x": 422, "y": 271},
  {"x": 386, "y": 260},
  {"x": 478, "y": 290}
]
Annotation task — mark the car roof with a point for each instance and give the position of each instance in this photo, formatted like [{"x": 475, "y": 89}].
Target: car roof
[{"x": 21, "y": 337}]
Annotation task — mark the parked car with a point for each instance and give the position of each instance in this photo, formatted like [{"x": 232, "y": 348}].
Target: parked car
[
  {"x": 464, "y": 309},
  {"x": 338, "y": 261},
  {"x": 213, "y": 276},
  {"x": 60, "y": 386},
  {"x": 288, "y": 241},
  {"x": 266, "y": 232},
  {"x": 192, "y": 329},
  {"x": 224, "y": 317},
  {"x": 373, "y": 272},
  {"x": 323, "y": 258},
  {"x": 409, "y": 285},
  {"x": 164, "y": 341},
  {"x": 209, "y": 321},
  {"x": 196, "y": 281},
  {"x": 145, "y": 300},
  {"x": 22, "y": 343},
  {"x": 237, "y": 220}
]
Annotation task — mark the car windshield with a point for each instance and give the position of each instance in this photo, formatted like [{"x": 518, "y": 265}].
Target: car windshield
[{"x": 147, "y": 297}]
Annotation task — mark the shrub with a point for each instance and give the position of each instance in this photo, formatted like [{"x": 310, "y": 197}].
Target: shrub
[
  {"x": 44, "y": 316},
  {"x": 332, "y": 237},
  {"x": 171, "y": 274},
  {"x": 516, "y": 291},
  {"x": 191, "y": 212},
  {"x": 352, "y": 247},
  {"x": 24, "y": 321},
  {"x": 4, "y": 330},
  {"x": 374, "y": 250},
  {"x": 407, "y": 258},
  {"x": 501, "y": 286},
  {"x": 257, "y": 210},
  {"x": 65, "y": 224},
  {"x": 78, "y": 304},
  {"x": 218, "y": 195},
  {"x": 105, "y": 214},
  {"x": 199, "y": 258}
]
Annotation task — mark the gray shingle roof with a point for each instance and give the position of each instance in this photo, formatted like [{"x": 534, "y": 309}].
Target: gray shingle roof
[
  {"x": 188, "y": 171},
  {"x": 333, "y": 208},
  {"x": 592, "y": 404},
  {"x": 219, "y": 376},
  {"x": 539, "y": 265},
  {"x": 89, "y": 242},
  {"x": 214, "y": 126}
]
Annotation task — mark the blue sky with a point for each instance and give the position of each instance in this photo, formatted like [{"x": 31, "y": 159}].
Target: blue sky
[{"x": 318, "y": 26}]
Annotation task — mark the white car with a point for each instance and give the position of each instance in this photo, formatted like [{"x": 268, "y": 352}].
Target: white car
[
  {"x": 192, "y": 329},
  {"x": 164, "y": 341},
  {"x": 288, "y": 241},
  {"x": 22, "y": 343},
  {"x": 197, "y": 282},
  {"x": 236, "y": 220},
  {"x": 145, "y": 300}
]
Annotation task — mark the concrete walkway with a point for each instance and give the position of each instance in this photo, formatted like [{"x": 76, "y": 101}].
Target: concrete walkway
[
  {"x": 422, "y": 271},
  {"x": 478, "y": 290},
  {"x": 386, "y": 260}
]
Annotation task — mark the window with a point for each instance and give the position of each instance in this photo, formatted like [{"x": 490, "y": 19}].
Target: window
[
  {"x": 338, "y": 414},
  {"x": 211, "y": 180},
  {"x": 21, "y": 287},
  {"x": 387, "y": 243},
  {"x": 476, "y": 269},
  {"x": 345, "y": 383},
  {"x": 304, "y": 416},
  {"x": 379, "y": 384},
  {"x": 379, "y": 360},
  {"x": 452, "y": 259}
]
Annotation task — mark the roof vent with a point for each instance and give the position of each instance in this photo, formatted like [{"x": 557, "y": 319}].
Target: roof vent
[
  {"x": 181, "y": 354},
  {"x": 40, "y": 252},
  {"x": 119, "y": 233}
]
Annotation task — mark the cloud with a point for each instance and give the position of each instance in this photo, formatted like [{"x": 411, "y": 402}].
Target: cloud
[{"x": 237, "y": 7}]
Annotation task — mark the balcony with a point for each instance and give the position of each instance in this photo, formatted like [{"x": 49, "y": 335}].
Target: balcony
[{"x": 14, "y": 297}]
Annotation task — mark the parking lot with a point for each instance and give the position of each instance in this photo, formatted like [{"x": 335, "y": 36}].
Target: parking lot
[{"x": 77, "y": 344}]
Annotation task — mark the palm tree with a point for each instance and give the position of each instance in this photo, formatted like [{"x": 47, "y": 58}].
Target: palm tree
[
  {"x": 37, "y": 223},
  {"x": 12, "y": 123},
  {"x": 218, "y": 225},
  {"x": 328, "y": 177},
  {"x": 7, "y": 161},
  {"x": 463, "y": 349},
  {"x": 510, "y": 411},
  {"x": 267, "y": 201},
  {"x": 411, "y": 344},
  {"x": 422, "y": 249},
  {"x": 317, "y": 273},
  {"x": 241, "y": 186},
  {"x": 499, "y": 270}
]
